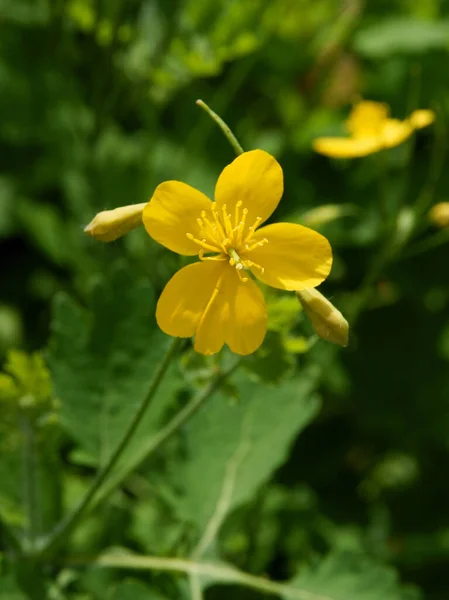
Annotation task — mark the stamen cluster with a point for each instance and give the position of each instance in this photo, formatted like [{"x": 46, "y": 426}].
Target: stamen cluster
[{"x": 229, "y": 237}]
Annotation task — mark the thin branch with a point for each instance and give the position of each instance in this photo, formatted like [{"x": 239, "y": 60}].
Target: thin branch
[
  {"x": 159, "y": 438},
  {"x": 29, "y": 480},
  {"x": 220, "y": 573},
  {"x": 222, "y": 125},
  {"x": 196, "y": 590}
]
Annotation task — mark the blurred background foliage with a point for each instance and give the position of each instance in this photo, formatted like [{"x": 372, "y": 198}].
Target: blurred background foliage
[{"x": 97, "y": 104}]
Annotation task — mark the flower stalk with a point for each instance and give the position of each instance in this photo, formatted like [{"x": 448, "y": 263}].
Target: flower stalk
[
  {"x": 53, "y": 541},
  {"x": 222, "y": 125}
]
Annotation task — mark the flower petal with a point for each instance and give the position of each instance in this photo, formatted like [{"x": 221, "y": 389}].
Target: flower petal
[
  {"x": 237, "y": 317},
  {"x": 208, "y": 298},
  {"x": 366, "y": 118},
  {"x": 421, "y": 118},
  {"x": 172, "y": 213},
  {"x": 295, "y": 257},
  {"x": 395, "y": 132},
  {"x": 186, "y": 296},
  {"x": 255, "y": 178},
  {"x": 341, "y": 147}
]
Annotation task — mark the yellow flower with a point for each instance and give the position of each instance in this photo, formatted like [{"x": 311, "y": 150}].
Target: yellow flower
[
  {"x": 215, "y": 299},
  {"x": 370, "y": 130},
  {"x": 439, "y": 214},
  {"x": 109, "y": 225}
]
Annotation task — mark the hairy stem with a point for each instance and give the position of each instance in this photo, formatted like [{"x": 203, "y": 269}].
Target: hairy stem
[
  {"x": 222, "y": 125},
  {"x": 179, "y": 419},
  {"x": 220, "y": 572},
  {"x": 52, "y": 542},
  {"x": 29, "y": 480}
]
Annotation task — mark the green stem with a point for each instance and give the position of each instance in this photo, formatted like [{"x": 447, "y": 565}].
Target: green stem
[
  {"x": 219, "y": 572},
  {"x": 169, "y": 429},
  {"x": 64, "y": 529},
  {"x": 29, "y": 480},
  {"x": 222, "y": 125}
]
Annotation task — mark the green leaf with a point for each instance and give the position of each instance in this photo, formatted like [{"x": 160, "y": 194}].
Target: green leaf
[
  {"x": 347, "y": 576},
  {"x": 9, "y": 589},
  {"x": 402, "y": 35},
  {"x": 102, "y": 361},
  {"x": 232, "y": 449},
  {"x": 132, "y": 589}
]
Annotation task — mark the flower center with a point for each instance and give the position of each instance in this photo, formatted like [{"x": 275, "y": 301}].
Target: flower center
[{"x": 228, "y": 236}]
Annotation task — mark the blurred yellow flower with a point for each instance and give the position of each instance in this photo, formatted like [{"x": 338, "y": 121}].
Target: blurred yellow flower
[
  {"x": 370, "y": 130},
  {"x": 215, "y": 299},
  {"x": 439, "y": 214}
]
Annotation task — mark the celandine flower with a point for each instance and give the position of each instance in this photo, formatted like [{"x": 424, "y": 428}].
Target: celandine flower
[
  {"x": 370, "y": 130},
  {"x": 216, "y": 299}
]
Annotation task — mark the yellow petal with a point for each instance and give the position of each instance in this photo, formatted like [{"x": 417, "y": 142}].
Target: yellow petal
[
  {"x": 185, "y": 298},
  {"x": 366, "y": 118},
  {"x": 109, "y": 225},
  {"x": 172, "y": 213},
  {"x": 340, "y": 147},
  {"x": 237, "y": 317},
  {"x": 295, "y": 257},
  {"x": 208, "y": 299},
  {"x": 395, "y": 132},
  {"x": 421, "y": 118},
  {"x": 254, "y": 178}
]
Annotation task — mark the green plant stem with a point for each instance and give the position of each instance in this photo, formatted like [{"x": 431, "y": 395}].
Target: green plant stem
[
  {"x": 64, "y": 529},
  {"x": 220, "y": 572},
  {"x": 171, "y": 427},
  {"x": 29, "y": 480},
  {"x": 222, "y": 125}
]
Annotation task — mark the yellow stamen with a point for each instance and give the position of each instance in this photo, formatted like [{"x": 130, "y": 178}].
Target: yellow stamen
[
  {"x": 241, "y": 227},
  {"x": 249, "y": 263},
  {"x": 253, "y": 228},
  {"x": 217, "y": 222},
  {"x": 212, "y": 230},
  {"x": 241, "y": 277},
  {"x": 219, "y": 258},
  {"x": 227, "y": 222},
  {"x": 258, "y": 244},
  {"x": 202, "y": 243},
  {"x": 236, "y": 217}
]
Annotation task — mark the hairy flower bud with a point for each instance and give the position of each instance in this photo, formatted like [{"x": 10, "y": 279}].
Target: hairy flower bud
[
  {"x": 109, "y": 225},
  {"x": 439, "y": 214},
  {"x": 327, "y": 321}
]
